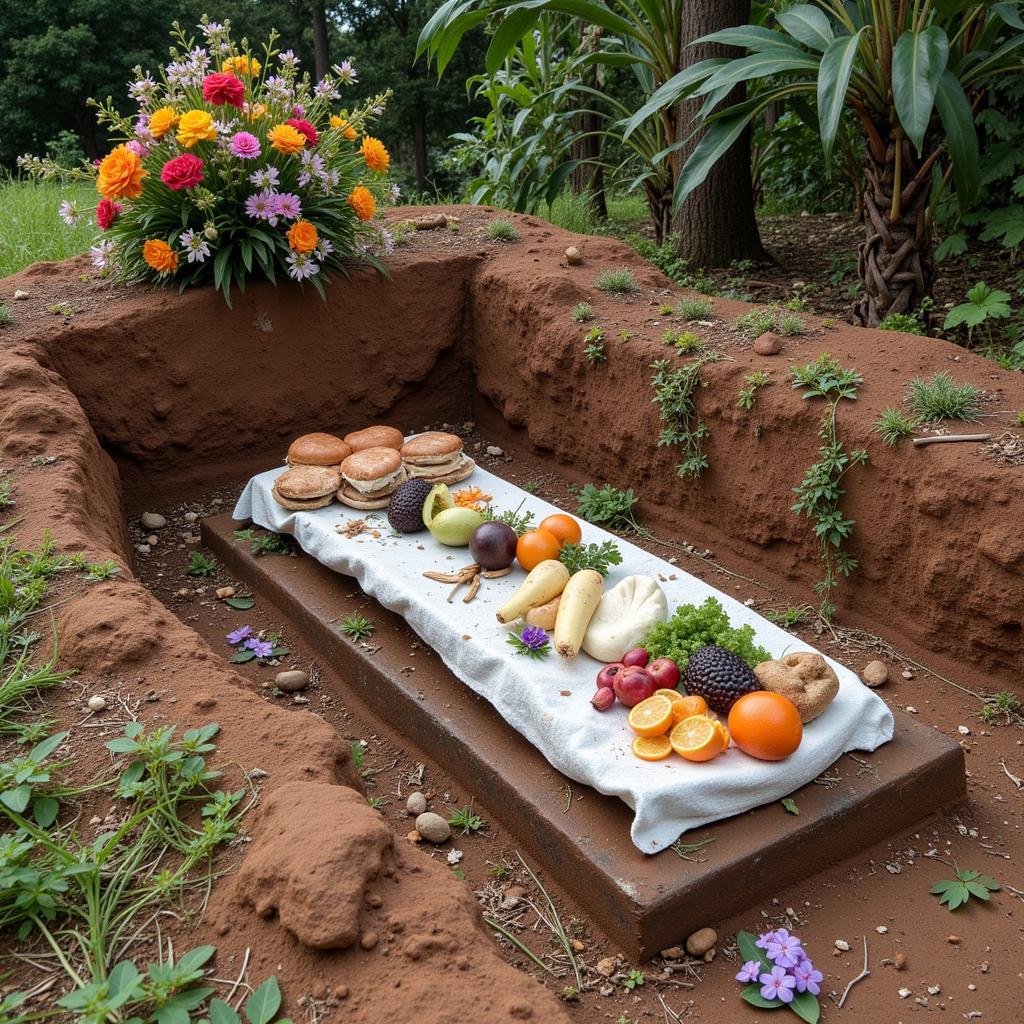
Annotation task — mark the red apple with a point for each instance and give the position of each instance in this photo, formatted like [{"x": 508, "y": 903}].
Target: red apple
[
  {"x": 632, "y": 685},
  {"x": 665, "y": 673},
  {"x": 606, "y": 677},
  {"x": 638, "y": 656}
]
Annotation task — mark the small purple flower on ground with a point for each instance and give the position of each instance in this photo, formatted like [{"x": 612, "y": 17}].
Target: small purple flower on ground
[
  {"x": 534, "y": 637},
  {"x": 261, "y": 648},
  {"x": 785, "y": 949},
  {"x": 778, "y": 985},
  {"x": 239, "y": 635},
  {"x": 808, "y": 979},
  {"x": 750, "y": 971}
]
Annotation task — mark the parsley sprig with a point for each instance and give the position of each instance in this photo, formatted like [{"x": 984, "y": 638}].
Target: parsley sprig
[{"x": 599, "y": 557}]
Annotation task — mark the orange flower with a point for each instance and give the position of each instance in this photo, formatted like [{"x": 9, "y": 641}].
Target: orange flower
[
  {"x": 256, "y": 111},
  {"x": 242, "y": 65},
  {"x": 286, "y": 139},
  {"x": 195, "y": 126},
  {"x": 162, "y": 121},
  {"x": 375, "y": 155},
  {"x": 361, "y": 200},
  {"x": 302, "y": 236},
  {"x": 120, "y": 175},
  {"x": 160, "y": 256},
  {"x": 346, "y": 129}
]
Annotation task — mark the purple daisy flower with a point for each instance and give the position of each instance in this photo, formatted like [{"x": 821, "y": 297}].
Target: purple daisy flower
[
  {"x": 261, "y": 648},
  {"x": 808, "y": 979},
  {"x": 262, "y": 206},
  {"x": 245, "y": 145},
  {"x": 239, "y": 635},
  {"x": 288, "y": 206},
  {"x": 777, "y": 985},
  {"x": 785, "y": 949},
  {"x": 750, "y": 971}
]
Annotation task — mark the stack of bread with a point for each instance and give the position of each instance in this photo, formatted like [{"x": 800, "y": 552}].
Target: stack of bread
[{"x": 365, "y": 468}]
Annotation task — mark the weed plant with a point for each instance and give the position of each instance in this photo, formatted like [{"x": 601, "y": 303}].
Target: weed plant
[
  {"x": 894, "y": 425},
  {"x": 617, "y": 282},
  {"x": 941, "y": 398},
  {"x": 6, "y": 317},
  {"x": 581, "y": 313},
  {"x": 752, "y": 383},
  {"x": 674, "y": 391},
  {"x": 791, "y": 325},
  {"x": 695, "y": 309},
  {"x": 501, "y": 230},
  {"x": 594, "y": 350},
  {"x": 755, "y": 322}
]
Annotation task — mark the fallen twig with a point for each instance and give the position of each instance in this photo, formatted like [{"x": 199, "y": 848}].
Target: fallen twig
[
  {"x": 947, "y": 438},
  {"x": 1015, "y": 779},
  {"x": 860, "y": 977}
]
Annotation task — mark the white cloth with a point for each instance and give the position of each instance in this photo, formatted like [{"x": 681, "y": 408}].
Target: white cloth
[{"x": 668, "y": 797}]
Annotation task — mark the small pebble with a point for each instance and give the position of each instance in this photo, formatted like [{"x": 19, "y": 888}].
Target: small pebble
[
  {"x": 911, "y": 710},
  {"x": 493, "y": 449},
  {"x": 907, "y": 674},
  {"x": 291, "y": 681},
  {"x": 606, "y": 967},
  {"x": 152, "y": 539},
  {"x": 673, "y": 953},
  {"x": 953, "y": 940},
  {"x": 875, "y": 673},
  {"x": 416, "y": 804},
  {"x": 20, "y": 294},
  {"x": 368, "y": 940},
  {"x": 190, "y": 517},
  {"x": 904, "y": 993},
  {"x": 97, "y": 703},
  {"x": 972, "y": 987},
  {"x": 963, "y": 730},
  {"x": 899, "y": 961},
  {"x": 843, "y": 945},
  {"x": 143, "y": 549},
  {"x": 223, "y": 593},
  {"x": 881, "y": 929},
  {"x": 454, "y": 856},
  {"x": 768, "y": 344},
  {"x": 433, "y": 827},
  {"x": 934, "y": 990},
  {"x": 515, "y": 892},
  {"x": 701, "y": 941},
  {"x": 152, "y": 520},
  {"x": 573, "y": 256}
]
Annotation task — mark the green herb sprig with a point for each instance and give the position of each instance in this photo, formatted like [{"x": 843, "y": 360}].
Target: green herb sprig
[
  {"x": 955, "y": 892},
  {"x": 599, "y": 557},
  {"x": 518, "y": 520}
]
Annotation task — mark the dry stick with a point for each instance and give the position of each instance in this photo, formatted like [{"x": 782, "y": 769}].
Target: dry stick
[
  {"x": 241, "y": 974},
  {"x": 1016, "y": 780},
  {"x": 947, "y": 438},
  {"x": 669, "y": 1012},
  {"x": 860, "y": 977}
]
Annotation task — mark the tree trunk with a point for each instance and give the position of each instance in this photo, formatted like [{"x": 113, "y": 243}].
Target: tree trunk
[
  {"x": 716, "y": 224},
  {"x": 895, "y": 263},
  {"x": 589, "y": 176},
  {"x": 321, "y": 55},
  {"x": 419, "y": 145}
]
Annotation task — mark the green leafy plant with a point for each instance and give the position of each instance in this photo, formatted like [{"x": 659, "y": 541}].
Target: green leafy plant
[
  {"x": 756, "y": 322},
  {"x": 519, "y": 520},
  {"x": 617, "y": 282},
  {"x": 820, "y": 492},
  {"x": 983, "y": 305},
  {"x": 501, "y": 230},
  {"x": 634, "y": 980},
  {"x": 695, "y": 309},
  {"x": 665, "y": 310},
  {"x": 908, "y": 323},
  {"x": 356, "y": 627},
  {"x": 582, "y": 312},
  {"x": 790, "y": 805},
  {"x": 1000, "y": 707},
  {"x": 941, "y": 398},
  {"x": 787, "y": 618},
  {"x": 64, "y": 309},
  {"x": 594, "y": 351},
  {"x": 608, "y": 506},
  {"x": 6, "y": 317},
  {"x": 894, "y": 425},
  {"x": 599, "y": 557},
  {"x": 957, "y": 891},
  {"x": 674, "y": 390},
  {"x": 683, "y": 342},
  {"x": 753, "y": 382},
  {"x": 467, "y": 819},
  {"x": 200, "y": 565},
  {"x": 271, "y": 544},
  {"x": 791, "y": 325},
  {"x": 694, "y": 626},
  {"x": 94, "y": 571},
  {"x": 6, "y": 492}
]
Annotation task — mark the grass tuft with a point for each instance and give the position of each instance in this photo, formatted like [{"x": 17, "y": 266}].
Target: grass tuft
[
  {"x": 501, "y": 230},
  {"x": 941, "y": 398},
  {"x": 582, "y": 312},
  {"x": 618, "y": 282},
  {"x": 893, "y": 425},
  {"x": 695, "y": 309}
]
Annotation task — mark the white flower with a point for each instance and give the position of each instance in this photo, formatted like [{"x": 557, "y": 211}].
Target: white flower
[
  {"x": 195, "y": 246},
  {"x": 302, "y": 265},
  {"x": 69, "y": 213},
  {"x": 324, "y": 248},
  {"x": 102, "y": 254},
  {"x": 345, "y": 72}
]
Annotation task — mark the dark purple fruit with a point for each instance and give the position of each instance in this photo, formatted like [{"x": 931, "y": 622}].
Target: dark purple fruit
[
  {"x": 720, "y": 677},
  {"x": 493, "y": 545}
]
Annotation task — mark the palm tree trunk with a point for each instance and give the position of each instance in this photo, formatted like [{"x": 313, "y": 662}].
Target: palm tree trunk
[{"x": 895, "y": 264}]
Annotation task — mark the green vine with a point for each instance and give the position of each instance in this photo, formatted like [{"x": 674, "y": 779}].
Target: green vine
[
  {"x": 820, "y": 492},
  {"x": 674, "y": 388}
]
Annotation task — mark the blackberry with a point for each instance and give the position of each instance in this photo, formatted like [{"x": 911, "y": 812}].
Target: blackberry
[
  {"x": 405, "y": 510},
  {"x": 720, "y": 677}
]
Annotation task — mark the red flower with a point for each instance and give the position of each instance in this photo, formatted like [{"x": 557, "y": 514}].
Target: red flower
[
  {"x": 185, "y": 171},
  {"x": 303, "y": 126},
  {"x": 106, "y": 213},
  {"x": 222, "y": 87}
]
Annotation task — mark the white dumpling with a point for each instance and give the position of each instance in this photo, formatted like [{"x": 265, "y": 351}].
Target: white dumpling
[{"x": 624, "y": 617}]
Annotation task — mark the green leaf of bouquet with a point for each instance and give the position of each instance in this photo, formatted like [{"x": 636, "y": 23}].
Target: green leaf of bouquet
[
  {"x": 806, "y": 1007},
  {"x": 242, "y": 657},
  {"x": 752, "y": 994},
  {"x": 750, "y": 950},
  {"x": 242, "y": 604}
]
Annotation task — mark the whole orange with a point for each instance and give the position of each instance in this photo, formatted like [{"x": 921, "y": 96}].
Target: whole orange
[
  {"x": 536, "y": 546},
  {"x": 765, "y": 725},
  {"x": 564, "y": 527}
]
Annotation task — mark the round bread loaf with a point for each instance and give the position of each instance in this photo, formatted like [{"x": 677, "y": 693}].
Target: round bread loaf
[
  {"x": 304, "y": 483},
  {"x": 318, "y": 449},
  {"x": 379, "y": 436}
]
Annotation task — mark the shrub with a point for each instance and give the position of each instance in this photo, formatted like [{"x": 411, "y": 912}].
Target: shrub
[
  {"x": 908, "y": 323},
  {"x": 502, "y": 231},
  {"x": 619, "y": 282}
]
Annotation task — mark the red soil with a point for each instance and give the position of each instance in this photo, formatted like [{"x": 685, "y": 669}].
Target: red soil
[{"x": 175, "y": 392}]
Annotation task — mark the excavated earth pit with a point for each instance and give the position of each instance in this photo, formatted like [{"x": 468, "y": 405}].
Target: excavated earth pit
[{"x": 146, "y": 400}]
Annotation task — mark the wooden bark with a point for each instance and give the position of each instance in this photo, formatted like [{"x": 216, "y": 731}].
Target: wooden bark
[{"x": 321, "y": 53}]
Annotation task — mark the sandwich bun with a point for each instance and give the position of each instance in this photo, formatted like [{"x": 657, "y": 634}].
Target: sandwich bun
[
  {"x": 301, "y": 506},
  {"x": 351, "y": 497},
  {"x": 453, "y": 472},
  {"x": 432, "y": 448},
  {"x": 317, "y": 449},
  {"x": 306, "y": 483},
  {"x": 379, "y": 436}
]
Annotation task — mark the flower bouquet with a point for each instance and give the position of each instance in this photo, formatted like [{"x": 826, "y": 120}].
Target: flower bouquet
[
  {"x": 237, "y": 165},
  {"x": 779, "y": 973}
]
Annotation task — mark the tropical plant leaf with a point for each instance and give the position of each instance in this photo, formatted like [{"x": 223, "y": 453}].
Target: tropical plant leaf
[
  {"x": 961, "y": 136},
  {"x": 918, "y": 60},
  {"x": 719, "y": 136},
  {"x": 810, "y": 25},
  {"x": 833, "y": 80}
]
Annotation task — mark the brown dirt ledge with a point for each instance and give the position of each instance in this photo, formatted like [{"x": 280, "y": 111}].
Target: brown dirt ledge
[{"x": 143, "y": 391}]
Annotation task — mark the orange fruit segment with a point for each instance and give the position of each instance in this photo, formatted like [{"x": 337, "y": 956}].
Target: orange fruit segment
[
  {"x": 684, "y": 706},
  {"x": 698, "y": 738},
  {"x": 652, "y": 717},
  {"x": 652, "y": 748}
]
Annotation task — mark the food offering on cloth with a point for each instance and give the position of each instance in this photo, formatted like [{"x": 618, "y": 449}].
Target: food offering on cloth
[
  {"x": 377, "y": 436},
  {"x": 303, "y": 488},
  {"x": 370, "y": 476},
  {"x": 318, "y": 449},
  {"x": 437, "y": 457}
]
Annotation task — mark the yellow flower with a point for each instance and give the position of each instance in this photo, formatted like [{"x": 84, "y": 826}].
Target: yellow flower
[
  {"x": 120, "y": 175},
  {"x": 195, "y": 126},
  {"x": 302, "y": 236},
  {"x": 375, "y": 155},
  {"x": 286, "y": 139},
  {"x": 162, "y": 121},
  {"x": 346, "y": 129},
  {"x": 361, "y": 200},
  {"x": 242, "y": 65},
  {"x": 160, "y": 256},
  {"x": 256, "y": 111}
]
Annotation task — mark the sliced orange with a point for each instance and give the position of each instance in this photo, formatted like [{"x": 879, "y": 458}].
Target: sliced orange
[
  {"x": 652, "y": 717},
  {"x": 652, "y": 748},
  {"x": 684, "y": 706},
  {"x": 727, "y": 739},
  {"x": 697, "y": 738}
]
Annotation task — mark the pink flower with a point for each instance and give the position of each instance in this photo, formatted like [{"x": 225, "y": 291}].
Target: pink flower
[
  {"x": 245, "y": 145},
  {"x": 223, "y": 87},
  {"x": 106, "y": 213},
  {"x": 305, "y": 128},
  {"x": 136, "y": 147},
  {"x": 185, "y": 171}
]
